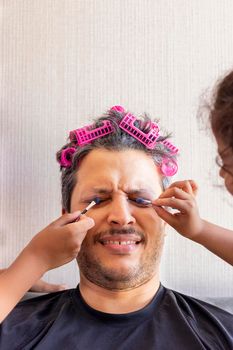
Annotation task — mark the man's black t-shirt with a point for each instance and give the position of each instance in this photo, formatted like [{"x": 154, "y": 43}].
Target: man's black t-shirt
[{"x": 172, "y": 321}]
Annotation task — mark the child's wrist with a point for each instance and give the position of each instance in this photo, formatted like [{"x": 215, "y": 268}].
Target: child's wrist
[
  {"x": 198, "y": 236},
  {"x": 36, "y": 259}
]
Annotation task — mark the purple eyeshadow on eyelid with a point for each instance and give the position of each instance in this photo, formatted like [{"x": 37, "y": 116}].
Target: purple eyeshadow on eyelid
[
  {"x": 140, "y": 200},
  {"x": 97, "y": 200}
]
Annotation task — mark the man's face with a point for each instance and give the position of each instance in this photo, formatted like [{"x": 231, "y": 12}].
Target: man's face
[{"x": 123, "y": 249}]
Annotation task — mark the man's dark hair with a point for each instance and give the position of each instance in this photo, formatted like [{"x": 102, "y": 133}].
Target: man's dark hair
[{"x": 119, "y": 140}]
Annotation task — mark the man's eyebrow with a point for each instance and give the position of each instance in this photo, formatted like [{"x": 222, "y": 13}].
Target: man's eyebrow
[
  {"x": 100, "y": 190},
  {"x": 104, "y": 191}
]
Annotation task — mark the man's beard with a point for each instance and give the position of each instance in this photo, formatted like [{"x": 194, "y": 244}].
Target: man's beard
[{"x": 120, "y": 279}]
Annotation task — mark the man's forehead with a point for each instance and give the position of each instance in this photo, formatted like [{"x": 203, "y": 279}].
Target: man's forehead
[
  {"x": 106, "y": 171},
  {"x": 110, "y": 189},
  {"x": 89, "y": 189},
  {"x": 105, "y": 158}
]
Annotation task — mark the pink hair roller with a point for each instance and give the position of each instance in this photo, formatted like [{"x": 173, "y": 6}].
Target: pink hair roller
[
  {"x": 87, "y": 133},
  {"x": 168, "y": 167},
  {"x": 147, "y": 139},
  {"x": 66, "y": 157},
  {"x": 118, "y": 109},
  {"x": 173, "y": 149}
]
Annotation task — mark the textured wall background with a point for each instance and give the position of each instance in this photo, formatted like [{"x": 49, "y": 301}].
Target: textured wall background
[{"x": 66, "y": 61}]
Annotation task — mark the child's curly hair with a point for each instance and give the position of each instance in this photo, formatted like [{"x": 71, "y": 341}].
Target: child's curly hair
[{"x": 221, "y": 110}]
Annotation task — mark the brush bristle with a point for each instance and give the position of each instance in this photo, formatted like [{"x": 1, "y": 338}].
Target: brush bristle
[{"x": 97, "y": 200}]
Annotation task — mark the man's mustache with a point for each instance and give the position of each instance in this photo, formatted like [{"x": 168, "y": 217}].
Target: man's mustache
[{"x": 113, "y": 232}]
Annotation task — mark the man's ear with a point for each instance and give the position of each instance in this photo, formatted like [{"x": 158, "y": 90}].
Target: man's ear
[{"x": 63, "y": 211}]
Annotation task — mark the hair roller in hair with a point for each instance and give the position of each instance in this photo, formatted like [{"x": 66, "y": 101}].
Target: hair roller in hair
[
  {"x": 173, "y": 149},
  {"x": 66, "y": 157},
  {"x": 148, "y": 139},
  {"x": 168, "y": 167},
  {"x": 88, "y": 133},
  {"x": 119, "y": 109}
]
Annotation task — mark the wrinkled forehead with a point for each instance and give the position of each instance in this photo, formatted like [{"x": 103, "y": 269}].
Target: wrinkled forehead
[{"x": 129, "y": 170}]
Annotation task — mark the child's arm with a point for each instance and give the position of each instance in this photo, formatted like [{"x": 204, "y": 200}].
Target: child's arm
[
  {"x": 181, "y": 196},
  {"x": 56, "y": 245},
  {"x": 41, "y": 286}
]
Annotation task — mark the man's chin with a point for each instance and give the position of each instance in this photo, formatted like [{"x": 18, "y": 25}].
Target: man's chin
[
  {"x": 116, "y": 277},
  {"x": 116, "y": 272},
  {"x": 112, "y": 273}
]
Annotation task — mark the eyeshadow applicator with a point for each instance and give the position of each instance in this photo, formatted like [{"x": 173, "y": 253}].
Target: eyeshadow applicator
[{"x": 94, "y": 202}]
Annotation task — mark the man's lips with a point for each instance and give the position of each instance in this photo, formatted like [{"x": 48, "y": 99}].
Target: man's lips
[
  {"x": 120, "y": 243},
  {"x": 120, "y": 239}
]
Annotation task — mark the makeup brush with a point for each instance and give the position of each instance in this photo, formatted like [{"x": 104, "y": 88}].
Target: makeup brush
[{"x": 94, "y": 202}]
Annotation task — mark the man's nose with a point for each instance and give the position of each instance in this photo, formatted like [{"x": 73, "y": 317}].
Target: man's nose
[{"x": 120, "y": 213}]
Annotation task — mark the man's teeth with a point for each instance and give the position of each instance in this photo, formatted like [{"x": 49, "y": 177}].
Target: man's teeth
[{"x": 119, "y": 242}]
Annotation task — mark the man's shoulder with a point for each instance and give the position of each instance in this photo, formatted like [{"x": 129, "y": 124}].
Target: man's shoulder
[
  {"x": 197, "y": 310},
  {"x": 210, "y": 303},
  {"x": 32, "y": 317},
  {"x": 45, "y": 306}
]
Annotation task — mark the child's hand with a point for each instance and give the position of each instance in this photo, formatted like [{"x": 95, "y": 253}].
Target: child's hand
[
  {"x": 60, "y": 242},
  {"x": 181, "y": 196},
  {"x": 41, "y": 286},
  {"x": 56, "y": 245}
]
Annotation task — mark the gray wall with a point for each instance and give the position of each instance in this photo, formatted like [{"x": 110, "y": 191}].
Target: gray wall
[{"x": 64, "y": 62}]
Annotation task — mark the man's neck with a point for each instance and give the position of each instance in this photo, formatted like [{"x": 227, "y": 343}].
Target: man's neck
[{"x": 118, "y": 302}]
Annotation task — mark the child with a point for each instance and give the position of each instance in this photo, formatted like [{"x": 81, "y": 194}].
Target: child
[
  {"x": 56, "y": 245},
  {"x": 180, "y": 195},
  {"x": 41, "y": 286}
]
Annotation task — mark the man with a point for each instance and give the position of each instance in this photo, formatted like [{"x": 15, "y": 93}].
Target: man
[{"x": 122, "y": 164}]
